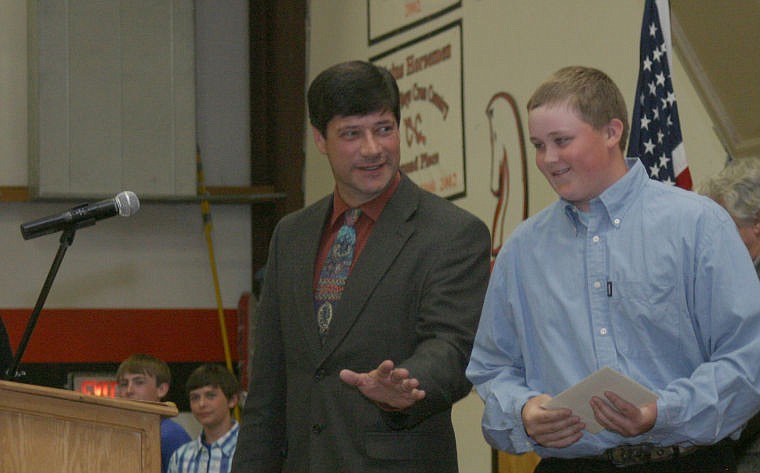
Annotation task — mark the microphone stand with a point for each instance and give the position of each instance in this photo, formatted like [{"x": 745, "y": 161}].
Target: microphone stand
[{"x": 67, "y": 238}]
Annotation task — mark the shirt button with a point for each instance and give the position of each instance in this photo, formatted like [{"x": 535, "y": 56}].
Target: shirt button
[
  {"x": 603, "y": 331},
  {"x": 616, "y": 222},
  {"x": 597, "y": 284},
  {"x": 316, "y": 428},
  {"x": 595, "y": 239}
]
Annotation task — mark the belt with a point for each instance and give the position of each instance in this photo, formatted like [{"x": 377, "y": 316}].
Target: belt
[{"x": 627, "y": 455}]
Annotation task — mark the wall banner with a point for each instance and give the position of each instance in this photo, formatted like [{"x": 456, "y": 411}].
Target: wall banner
[{"x": 429, "y": 75}]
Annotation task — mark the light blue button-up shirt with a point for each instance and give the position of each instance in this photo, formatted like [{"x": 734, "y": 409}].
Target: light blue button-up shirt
[{"x": 653, "y": 282}]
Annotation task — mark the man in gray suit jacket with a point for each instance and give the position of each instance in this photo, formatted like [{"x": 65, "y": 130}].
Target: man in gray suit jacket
[{"x": 374, "y": 392}]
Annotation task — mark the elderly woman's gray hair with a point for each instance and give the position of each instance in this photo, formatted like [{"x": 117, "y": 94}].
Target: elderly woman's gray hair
[{"x": 737, "y": 189}]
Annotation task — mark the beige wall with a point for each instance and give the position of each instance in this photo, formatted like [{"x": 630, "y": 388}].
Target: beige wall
[{"x": 510, "y": 45}]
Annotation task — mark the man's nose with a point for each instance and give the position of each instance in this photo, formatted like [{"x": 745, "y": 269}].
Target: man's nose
[{"x": 370, "y": 145}]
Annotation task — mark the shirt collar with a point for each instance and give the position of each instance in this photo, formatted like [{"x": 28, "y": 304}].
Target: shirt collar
[
  {"x": 226, "y": 442},
  {"x": 618, "y": 198},
  {"x": 371, "y": 209}
]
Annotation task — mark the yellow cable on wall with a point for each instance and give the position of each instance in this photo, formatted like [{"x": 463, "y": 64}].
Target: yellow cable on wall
[{"x": 207, "y": 231}]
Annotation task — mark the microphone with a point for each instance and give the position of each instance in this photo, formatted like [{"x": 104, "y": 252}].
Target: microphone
[{"x": 124, "y": 203}]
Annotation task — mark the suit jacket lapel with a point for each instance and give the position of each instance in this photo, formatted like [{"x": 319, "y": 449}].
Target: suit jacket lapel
[{"x": 389, "y": 235}]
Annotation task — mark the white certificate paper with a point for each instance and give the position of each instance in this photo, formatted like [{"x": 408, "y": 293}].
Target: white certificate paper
[{"x": 577, "y": 397}]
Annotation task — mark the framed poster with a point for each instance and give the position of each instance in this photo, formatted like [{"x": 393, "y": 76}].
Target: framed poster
[
  {"x": 386, "y": 18},
  {"x": 429, "y": 75}
]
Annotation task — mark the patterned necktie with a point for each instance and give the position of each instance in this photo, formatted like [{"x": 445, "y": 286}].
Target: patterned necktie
[{"x": 334, "y": 272}]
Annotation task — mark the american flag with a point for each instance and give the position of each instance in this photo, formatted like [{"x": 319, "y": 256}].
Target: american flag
[{"x": 655, "y": 127}]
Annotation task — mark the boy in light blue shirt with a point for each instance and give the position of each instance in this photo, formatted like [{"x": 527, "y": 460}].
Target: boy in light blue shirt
[{"x": 625, "y": 272}]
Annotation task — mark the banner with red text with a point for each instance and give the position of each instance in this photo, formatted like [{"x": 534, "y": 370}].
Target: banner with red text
[{"x": 429, "y": 75}]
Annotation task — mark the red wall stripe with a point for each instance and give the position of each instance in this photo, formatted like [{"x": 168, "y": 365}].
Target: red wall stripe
[{"x": 110, "y": 335}]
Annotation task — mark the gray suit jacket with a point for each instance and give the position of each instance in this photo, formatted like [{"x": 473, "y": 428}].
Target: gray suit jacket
[{"x": 414, "y": 296}]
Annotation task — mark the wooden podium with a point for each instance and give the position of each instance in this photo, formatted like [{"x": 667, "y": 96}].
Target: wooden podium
[{"x": 47, "y": 429}]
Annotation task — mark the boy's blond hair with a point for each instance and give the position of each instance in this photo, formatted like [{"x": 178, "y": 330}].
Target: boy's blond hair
[{"x": 589, "y": 92}]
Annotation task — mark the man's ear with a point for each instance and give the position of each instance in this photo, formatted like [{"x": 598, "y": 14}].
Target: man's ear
[
  {"x": 319, "y": 140},
  {"x": 614, "y": 132},
  {"x": 163, "y": 390}
]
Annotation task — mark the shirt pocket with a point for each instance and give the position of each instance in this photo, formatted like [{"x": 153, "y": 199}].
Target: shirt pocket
[{"x": 645, "y": 319}]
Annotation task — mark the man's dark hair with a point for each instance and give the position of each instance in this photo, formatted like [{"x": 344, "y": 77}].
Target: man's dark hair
[
  {"x": 351, "y": 88},
  {"x": 211, "y": 374}
]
